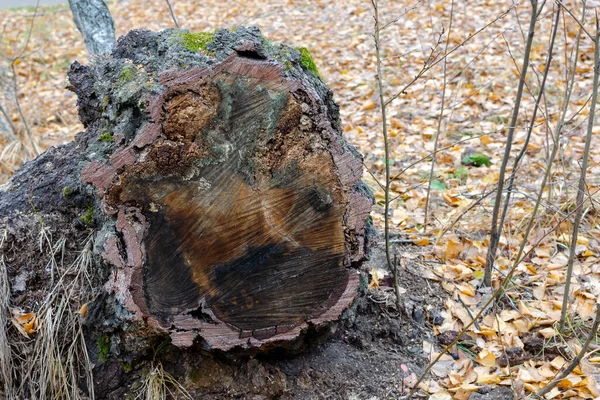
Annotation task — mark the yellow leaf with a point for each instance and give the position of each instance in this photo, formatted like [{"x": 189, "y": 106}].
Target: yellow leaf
[
  {"x": 450, "y": 200},
  {"x": 485, "y": 140},
  {"x": 488, "y": 379},
  {"x": 466, "y": 288},
  {"x": 374, "y": 279},
  {"x": 25, "y": 318},
  {"x": 558, "y": 362},
  {"x": 547, "y": 332},
  {"x": 399, "y": 216},
  {"x": 83, "y": 310},
  {"x": 521, "y": 325},
  {"x": 486, "y": 358},
  {"x": 565, "y": 238},
  {"x": 395, "y": 123},
  {"x": 31, "y": 327},
  {"x": 421, "y": 242},
  {"x": 369, "y": 105},
  {"x": 565, "y": 384},
  {"x": 26, "y": 323},
  {"x": 453, "y": 247},
  {"x": 546, "y": 371}
]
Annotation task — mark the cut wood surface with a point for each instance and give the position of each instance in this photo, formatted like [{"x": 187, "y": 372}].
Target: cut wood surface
[{"x": 225, "y": 206}]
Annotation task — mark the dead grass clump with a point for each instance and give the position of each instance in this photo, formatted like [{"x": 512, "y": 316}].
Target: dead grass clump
[{"x": 46, "y": 356}]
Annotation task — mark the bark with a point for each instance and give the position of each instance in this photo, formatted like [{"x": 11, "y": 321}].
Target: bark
[
  {"x": 95, "y": 23},
  {"x": 225, "y": 209}
]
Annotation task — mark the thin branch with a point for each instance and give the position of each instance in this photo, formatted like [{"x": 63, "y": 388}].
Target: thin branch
[
  {"x": 37, "y": 6},
  {"x": 409, "y": 166},
  {"x": 440, "y": 118},
  {"x": 560, "y": 3},
  {"x": 575, "y": 361},
  {"x": 391, "y": 267},
  {"x": 18, "y": 104},
  {"x": 12, "y": 136},
  {"x": 511, "y": 179},
  {"x": 406, "y": 11},
  {"x": 15, "y": 86},
  {"x": 436, "y": 62},
  {"x": 582, "y": 185},
  {"x": 520, "y": 257},
  {"x": 495, "y": 230},
  {"x": 173, "y": 14}
]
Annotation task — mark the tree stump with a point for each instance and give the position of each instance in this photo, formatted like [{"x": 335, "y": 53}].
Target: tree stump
[{"x": 224, "y": 206}]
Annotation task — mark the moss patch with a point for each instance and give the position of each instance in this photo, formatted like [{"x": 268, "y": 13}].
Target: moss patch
[
  {"x": 88, "y": 217},
  {"x": 67, "y": 191},
  {"x": 196, "y": 41},
  {"x": 127, "y": 75},
  {"x": 307, "y": 61},
  {"x": 103, "y": 348},
  {"x": 106, "y": 137}
]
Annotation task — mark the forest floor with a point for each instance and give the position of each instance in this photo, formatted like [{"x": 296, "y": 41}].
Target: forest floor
[{"x": 516, "y": 344}]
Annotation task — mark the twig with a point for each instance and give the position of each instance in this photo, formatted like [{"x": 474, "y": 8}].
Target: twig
[
  {"x": 406, "y": 10},
  {"x": 376, "y": 38},
  {"x": 575, "y": 361},
  {"x": 18, "y": 104},
  {"x": 14, "y": 79},
  {"x": 37, "y": 6},
  {"x": 511, "y": 179},
  {"x": 560, "y": 3},
  {"x": 172, "y": 14},
  {"x": 582, "y": 185},
  {"x": 495, "y": 230},
  {"x": 409, "y": 166},
  {"x": 11, "y": 135},
  {"x": 522, "y": 254},
  {"x": 469, "y": 312},
  {"x": 440, "y": 118},
  {"x": 428, "y": 66},
  {"x": 459, "y": 217}
]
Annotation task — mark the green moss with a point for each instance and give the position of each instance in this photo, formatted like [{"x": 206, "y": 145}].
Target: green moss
[
  {"x": 88, "y": 217},
  {"x": 103, "y": 348},
  {"x": 196, "y": 41},
  {"x": 127, "y": 74},
  {"x": 127, "y": 367},
  {"x": 307, "y": 61},
  {"x": 106, "y": 137},
  {"x": 67, "y": 191},
  {"x": 105, "y": 102},
  {"x": 268, "y": 45}
]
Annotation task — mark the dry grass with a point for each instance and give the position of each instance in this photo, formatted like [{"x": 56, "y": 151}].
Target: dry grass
[
  {"x": 158, "y": 384},
  {"x": 52, "y": 362}
]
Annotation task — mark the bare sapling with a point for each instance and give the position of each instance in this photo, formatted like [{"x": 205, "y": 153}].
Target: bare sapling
[
  {"x": 581, "y": 190},
  {"x": 496, "y": 229}
]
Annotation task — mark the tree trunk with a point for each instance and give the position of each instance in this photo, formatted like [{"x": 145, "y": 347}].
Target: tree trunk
[
  {"x": 225, "y": 210},
  {"x": 95, "y": 24}
]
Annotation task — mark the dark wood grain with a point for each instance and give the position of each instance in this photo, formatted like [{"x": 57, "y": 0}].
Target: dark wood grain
[{"x": 245, "y": 219}]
